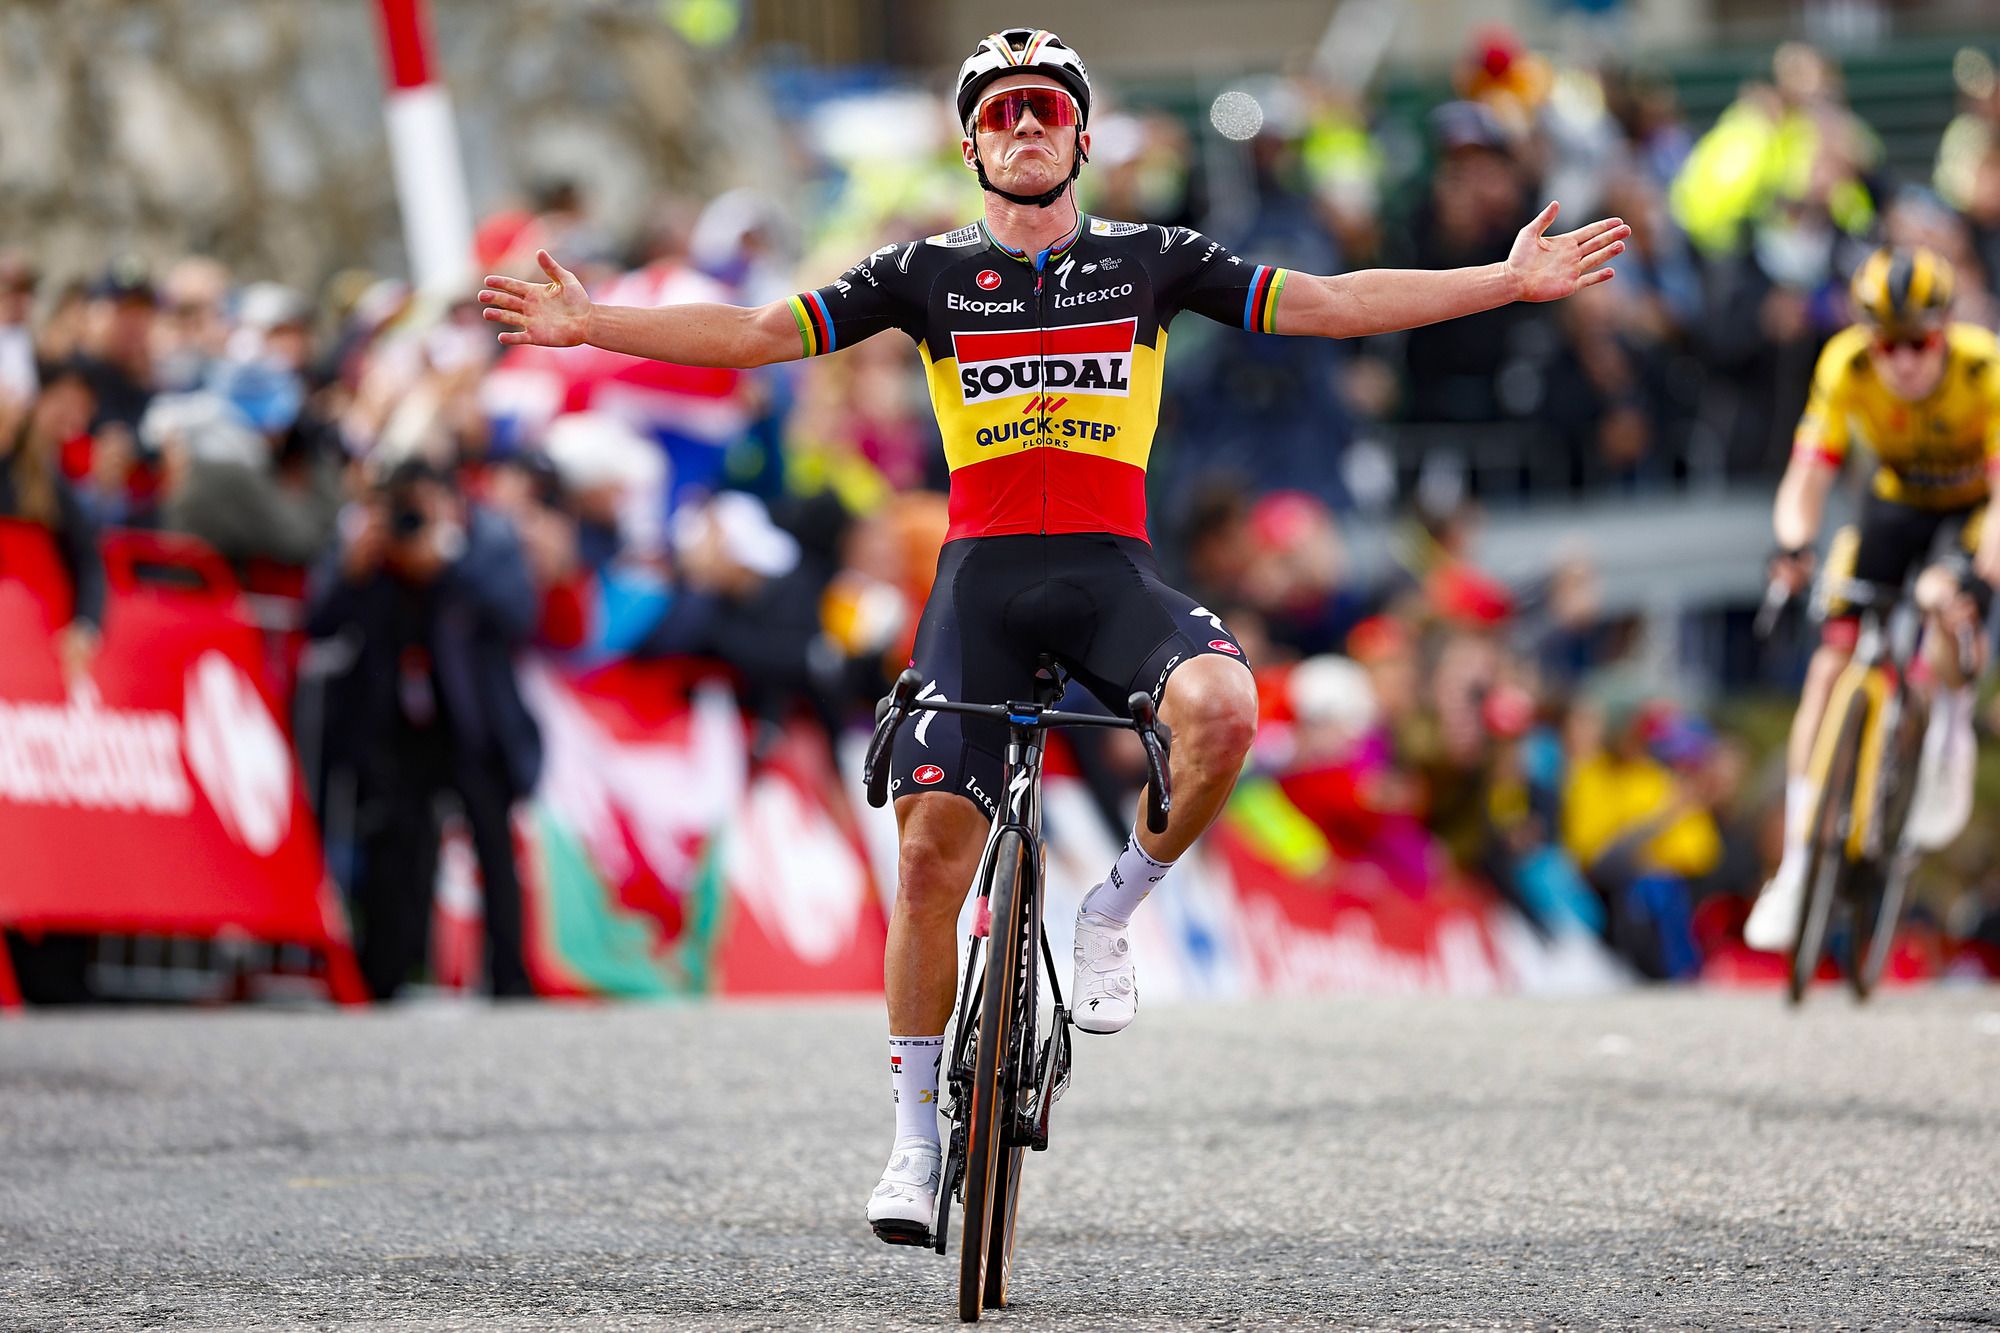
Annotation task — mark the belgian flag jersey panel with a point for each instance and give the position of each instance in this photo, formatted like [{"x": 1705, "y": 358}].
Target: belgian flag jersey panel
[{"x": 1044, "y": 369}]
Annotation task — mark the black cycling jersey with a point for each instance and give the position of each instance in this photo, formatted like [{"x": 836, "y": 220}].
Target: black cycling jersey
[{"x": 1044, "y": 369}]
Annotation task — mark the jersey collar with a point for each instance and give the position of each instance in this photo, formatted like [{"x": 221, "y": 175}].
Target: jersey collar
[{"x": 1056, "y": 251}]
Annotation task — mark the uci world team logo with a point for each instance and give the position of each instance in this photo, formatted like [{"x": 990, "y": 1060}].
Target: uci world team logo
[
  {"x": 987, "y": 280},
  {"x": 1091, "y": 359}
]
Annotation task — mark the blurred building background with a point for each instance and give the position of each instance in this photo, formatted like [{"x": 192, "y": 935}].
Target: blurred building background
[{"x": 1500, "y": 574}]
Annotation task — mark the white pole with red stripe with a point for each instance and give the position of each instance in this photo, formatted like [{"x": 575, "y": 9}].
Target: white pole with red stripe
[{"x": 423, "y": 147}]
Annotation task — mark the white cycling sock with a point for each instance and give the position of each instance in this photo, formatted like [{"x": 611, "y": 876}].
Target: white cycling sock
[
  {"x": 1132, "y": 877},
  {"x": 1798, "y": 821},
  {"x": 1798, "y": 810},
  {"x": 913, "y": 1080}
]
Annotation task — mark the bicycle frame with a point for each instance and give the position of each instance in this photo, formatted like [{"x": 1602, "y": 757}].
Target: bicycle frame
[
  {"x": 1022, "y": 787},
  {"x": 1882, "y": 682},
  {"x": 1043, "y": 1071}
]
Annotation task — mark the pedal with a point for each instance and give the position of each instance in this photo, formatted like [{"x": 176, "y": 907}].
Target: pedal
[
  {"x": 1060, "y": 1037},
  {"x": 902, "y": 1233}
]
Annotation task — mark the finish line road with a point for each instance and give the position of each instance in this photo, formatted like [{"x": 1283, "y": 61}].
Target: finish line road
[{"x": 1653, "y": 1159}]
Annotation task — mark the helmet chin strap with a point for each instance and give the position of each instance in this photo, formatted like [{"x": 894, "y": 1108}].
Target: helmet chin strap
[{"x": 1042, "y": 200}]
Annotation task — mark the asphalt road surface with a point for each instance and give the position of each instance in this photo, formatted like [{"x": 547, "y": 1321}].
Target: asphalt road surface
[{"x": 1657, "y": 1159}]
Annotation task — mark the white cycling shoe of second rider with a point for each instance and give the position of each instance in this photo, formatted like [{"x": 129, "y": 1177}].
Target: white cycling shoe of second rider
[
  {"x": 1105, "y": 995},
  {"x": 1774, "y": 921},
  {"x": 903, "y": 1204}
]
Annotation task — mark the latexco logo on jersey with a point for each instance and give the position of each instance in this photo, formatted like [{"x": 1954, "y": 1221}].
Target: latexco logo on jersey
[{"x": 1075, "y": 358}]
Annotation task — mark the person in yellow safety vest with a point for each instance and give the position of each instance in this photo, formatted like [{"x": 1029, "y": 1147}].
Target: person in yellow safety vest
[{"x": 1795, "y": 141}]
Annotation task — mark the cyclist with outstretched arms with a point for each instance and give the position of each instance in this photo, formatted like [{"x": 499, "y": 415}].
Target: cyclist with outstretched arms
[
  {"x": 1042, "y": 333},
  {"x": 1924, "y": 394}
]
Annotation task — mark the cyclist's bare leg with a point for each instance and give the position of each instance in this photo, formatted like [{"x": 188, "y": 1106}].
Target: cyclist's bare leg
[
  {"x": 1827, "y": 662},
  {"x": 1211, "y": 705},
  {"x": 941, "y": 836},
  {"x": 1774, "y": 919},
  {"x": 1947, "y": 609},
  {"x": 1945, "y": 770}
]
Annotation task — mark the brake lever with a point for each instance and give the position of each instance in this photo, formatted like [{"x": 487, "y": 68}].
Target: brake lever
[
  {"x": 1776, "y": 598},
  {"x": 890, "y": 710},
  {"x": 1156, "y": 738}
]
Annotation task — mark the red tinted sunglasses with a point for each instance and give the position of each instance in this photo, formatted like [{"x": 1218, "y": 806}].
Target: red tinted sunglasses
[
  {"x": 1922, "y": 342},
  {"x": 1001, "y": 112}
]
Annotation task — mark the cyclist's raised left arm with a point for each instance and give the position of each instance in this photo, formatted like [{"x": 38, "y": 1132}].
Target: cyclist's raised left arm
[{"x": 1540, "y": 267}]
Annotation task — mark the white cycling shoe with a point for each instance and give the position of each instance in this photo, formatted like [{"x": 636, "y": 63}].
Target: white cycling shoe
[
  {"x": 1774, "y": 921},
  {"x": 903, "y": 1204},
  {"x": 1105, "y": 995}
]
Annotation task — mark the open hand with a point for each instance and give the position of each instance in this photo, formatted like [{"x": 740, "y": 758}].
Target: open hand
[
  {"x": 555, "y": 313},
  {"x": 1548, "y": 268}
]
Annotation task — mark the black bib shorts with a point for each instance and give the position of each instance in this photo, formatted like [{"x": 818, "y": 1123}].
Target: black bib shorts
[{"x": 1094, "y": 602}]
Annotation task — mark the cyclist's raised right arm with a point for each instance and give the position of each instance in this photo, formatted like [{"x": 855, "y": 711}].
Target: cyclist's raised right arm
[
  {"x": 559, "y": 313},
  {"x": 868, "y": 298},
  {"x": 698, "y": 334},
  {"x": 1802, "y": 497}
]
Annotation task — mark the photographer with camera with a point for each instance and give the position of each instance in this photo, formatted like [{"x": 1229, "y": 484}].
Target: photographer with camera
[{"x": 433, "y": 596}]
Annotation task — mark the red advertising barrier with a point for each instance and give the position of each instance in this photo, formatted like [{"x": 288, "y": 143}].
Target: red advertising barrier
[
  {"x": 160, "y": 793},
  {"x": 1348, "y": 929},
  {"x": 803, "y": 914}
]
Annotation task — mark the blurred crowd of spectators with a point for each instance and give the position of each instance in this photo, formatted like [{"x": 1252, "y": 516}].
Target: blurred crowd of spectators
[{"x": 427, "y": 506}]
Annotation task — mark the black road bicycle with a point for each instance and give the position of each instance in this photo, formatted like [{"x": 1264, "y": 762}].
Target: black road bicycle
[{"x": 1006, "y": 1068}]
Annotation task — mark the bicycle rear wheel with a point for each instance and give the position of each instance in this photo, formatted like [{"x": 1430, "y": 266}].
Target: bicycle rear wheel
[
  {"x": 1827, "y": 866},
  {"x": 988, "y": 1111}
]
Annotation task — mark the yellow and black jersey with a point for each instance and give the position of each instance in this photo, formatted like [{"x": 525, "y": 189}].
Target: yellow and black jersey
[
  {"x": 1939, "y": 452},
  {"x": 1044, "y": 369}
]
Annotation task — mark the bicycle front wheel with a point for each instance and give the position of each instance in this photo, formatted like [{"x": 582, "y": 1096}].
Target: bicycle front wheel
[
  {"x": 1827, "y": 866},
  {"x": 1020, "y": 1076},
  {"x": 1879, "y": 905},
  {"x": 989, "y": 1104}
]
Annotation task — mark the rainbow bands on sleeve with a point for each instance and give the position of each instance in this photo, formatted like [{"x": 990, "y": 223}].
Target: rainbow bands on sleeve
[
  {"x": 1260, "y": 307},
  {"x": 815, "y": 325}
]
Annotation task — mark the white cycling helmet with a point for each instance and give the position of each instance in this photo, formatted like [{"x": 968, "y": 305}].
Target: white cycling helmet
[{"x": 1022, "y": 51}]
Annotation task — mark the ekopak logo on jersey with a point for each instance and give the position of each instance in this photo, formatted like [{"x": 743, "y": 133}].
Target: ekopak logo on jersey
[{"x": 1076, "y": 358}]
